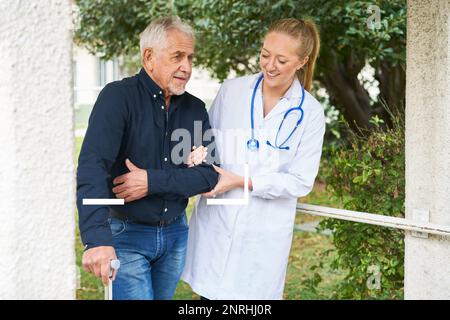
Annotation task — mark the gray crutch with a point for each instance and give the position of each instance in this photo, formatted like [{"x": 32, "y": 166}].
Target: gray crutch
[{"x": 114, "y": 265}]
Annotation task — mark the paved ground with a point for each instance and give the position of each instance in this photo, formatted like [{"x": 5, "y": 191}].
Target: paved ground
[{"x": 311, "y": 227}]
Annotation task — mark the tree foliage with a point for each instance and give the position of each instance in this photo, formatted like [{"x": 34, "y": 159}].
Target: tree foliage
[{"x": 229, "y": 35}]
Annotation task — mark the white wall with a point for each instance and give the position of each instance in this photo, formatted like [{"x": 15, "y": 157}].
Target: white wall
[
  {"x": 427, "y": 261},
  {"x": 88, "y": 81},
  {"x": 86, "y": 75},
  {"x": 203, "y": 86},
  {"x": 37, "y": 223}
]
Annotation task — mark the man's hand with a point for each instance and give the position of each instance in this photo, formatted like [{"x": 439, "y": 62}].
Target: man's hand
[
  {"x": 197, "y": 156},
  {"x": 97, "y": 261},
  {"x": 133, "y": 185}
]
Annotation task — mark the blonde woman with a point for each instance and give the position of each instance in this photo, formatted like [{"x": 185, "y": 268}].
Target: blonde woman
[{"x": 241, "y": 252}]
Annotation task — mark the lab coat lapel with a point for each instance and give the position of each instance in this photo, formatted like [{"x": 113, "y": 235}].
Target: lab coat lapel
[
  {"x": 258, "y": 112},
  {"x": 289, "y": 100},
  {"x": 281, "y": 107},
  {"x": 258, "y": 115}
]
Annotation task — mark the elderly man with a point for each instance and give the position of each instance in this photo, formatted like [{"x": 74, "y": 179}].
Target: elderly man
[{"x": 126, "y": 154}]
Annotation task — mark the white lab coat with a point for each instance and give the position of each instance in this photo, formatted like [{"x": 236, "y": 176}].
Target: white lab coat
[{"x": 241, "y": 252}]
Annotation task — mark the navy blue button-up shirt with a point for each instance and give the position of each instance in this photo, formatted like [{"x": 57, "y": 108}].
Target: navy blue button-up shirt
[{"x": 130, "y": 120}]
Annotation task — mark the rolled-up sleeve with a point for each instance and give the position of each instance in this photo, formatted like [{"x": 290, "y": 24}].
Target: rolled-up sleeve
[
  {"x": 298, "y": 181},
  {"x": 98, "y": 153}
]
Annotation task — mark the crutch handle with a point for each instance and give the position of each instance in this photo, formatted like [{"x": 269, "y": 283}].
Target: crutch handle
[{"x": 113, "y": 265}]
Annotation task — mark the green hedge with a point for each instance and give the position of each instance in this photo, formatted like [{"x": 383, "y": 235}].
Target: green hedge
[{"x": 368, "y": 174}]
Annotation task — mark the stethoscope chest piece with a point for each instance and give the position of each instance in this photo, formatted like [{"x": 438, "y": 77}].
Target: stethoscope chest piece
[{"x": 253, "y": 144}]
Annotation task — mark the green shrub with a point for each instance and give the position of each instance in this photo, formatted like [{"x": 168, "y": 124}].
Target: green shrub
[{"x": 368, "y": 174}]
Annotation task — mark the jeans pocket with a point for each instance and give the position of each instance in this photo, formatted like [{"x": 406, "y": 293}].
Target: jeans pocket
[{"x": 117, "y": 226}]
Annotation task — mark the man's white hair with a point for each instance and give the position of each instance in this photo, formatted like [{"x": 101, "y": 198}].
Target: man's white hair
[{"x": 155, "y": 35}]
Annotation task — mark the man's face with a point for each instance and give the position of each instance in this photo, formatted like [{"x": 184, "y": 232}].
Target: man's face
[{"x": 171, "y": 67}]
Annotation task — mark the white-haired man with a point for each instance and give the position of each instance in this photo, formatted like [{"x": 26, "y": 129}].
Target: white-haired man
[{"x": 126, "y": 154}]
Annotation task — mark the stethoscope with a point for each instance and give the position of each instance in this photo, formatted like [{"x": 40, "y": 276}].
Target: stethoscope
[{"x": 253, "y": 144}]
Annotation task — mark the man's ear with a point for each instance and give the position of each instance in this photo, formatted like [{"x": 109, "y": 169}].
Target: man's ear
[{"x": 148, "y": 58}]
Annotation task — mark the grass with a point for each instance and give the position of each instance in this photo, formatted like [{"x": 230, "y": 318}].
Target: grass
[
  {"x": 305, "y": 253},
  {"x": 82, "y": 114}
]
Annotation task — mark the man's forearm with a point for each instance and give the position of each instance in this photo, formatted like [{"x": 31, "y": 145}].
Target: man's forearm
[{"x": 185, "y": 182}]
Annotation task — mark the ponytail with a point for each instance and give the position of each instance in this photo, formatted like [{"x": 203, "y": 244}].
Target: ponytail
[{"x": 305, "y": 31}]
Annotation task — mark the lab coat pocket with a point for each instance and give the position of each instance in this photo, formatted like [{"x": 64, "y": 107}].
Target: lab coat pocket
[
  {"x": 213, "y": 231},
  {"x": 279, "y": 215}
]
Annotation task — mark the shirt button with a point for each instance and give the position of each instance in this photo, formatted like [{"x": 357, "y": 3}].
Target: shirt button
[
  {"x": 165, "y": 209},
  {"x": 165, "y": 159},
  {"x": 162, "y": 107}
]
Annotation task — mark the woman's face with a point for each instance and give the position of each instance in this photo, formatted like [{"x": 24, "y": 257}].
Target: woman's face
[{"x": 279, "y": 59}]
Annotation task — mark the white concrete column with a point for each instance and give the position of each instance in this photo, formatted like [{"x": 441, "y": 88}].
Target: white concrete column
[
  {"x": 427, "y": 261},
  {"x": 37, "y": 180}
]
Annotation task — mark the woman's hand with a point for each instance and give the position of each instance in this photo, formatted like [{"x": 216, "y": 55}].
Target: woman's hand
[
  {"x": 227, "y": 181},
  {"x": 197, "y": 156}
]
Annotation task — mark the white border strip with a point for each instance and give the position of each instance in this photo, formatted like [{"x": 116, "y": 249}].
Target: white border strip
[
  {"x": 91, "y": 202},
  {"x": 375, "y": 219},
  {"x": 233, "y": 202}
]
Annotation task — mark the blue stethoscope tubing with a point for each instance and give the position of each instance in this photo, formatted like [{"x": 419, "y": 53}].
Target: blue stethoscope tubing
[{"x": 253, "y": 144}]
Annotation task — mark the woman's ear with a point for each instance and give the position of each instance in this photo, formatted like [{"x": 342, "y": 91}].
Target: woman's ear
[{"x": 303, "y": 63}]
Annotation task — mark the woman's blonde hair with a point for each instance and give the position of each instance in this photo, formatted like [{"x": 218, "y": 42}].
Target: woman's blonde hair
[{"x": 306, "y": 33}]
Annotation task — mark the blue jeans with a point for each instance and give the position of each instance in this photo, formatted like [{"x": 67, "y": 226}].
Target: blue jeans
[{"x": 151, "y": 259}]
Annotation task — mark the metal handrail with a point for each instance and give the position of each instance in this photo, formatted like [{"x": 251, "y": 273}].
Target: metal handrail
[{"x": 375, "y": 219}]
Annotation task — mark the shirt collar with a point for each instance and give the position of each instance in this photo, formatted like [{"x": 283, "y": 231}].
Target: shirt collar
[
  {"x": 155, "y": 90},
  {"x": 294, "y": 91},
  {"x": 150, "y": 84}
]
